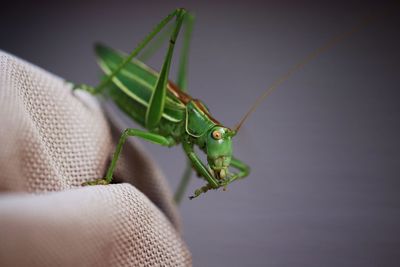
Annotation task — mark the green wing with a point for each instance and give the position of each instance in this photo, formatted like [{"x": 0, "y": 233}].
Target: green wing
[{"x": 134, "y": 85}]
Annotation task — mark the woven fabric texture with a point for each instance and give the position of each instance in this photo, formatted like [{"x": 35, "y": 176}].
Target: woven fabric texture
[{"x": 51, "y": 141}]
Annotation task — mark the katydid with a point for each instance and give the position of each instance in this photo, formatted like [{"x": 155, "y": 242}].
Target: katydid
[{"x": 170, "y": 115}]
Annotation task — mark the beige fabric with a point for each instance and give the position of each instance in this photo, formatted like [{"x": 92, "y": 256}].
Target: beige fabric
[{"x": 50, "y": 142}]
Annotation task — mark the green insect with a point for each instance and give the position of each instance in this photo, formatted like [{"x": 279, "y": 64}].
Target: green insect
[
  {"x": 169, "y": 114},
  {"x": 173, "y": 117}
]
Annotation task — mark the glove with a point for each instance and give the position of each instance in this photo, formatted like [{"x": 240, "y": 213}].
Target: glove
[{"x": 51, "y": 141}]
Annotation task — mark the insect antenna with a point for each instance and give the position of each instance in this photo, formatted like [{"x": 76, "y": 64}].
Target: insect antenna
[{"x": 326, "y": 46}]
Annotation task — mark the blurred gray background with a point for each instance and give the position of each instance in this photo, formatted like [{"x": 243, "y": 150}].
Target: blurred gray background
[{"x": 324, "y": 148}]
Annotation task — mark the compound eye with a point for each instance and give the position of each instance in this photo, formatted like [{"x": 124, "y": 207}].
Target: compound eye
[{"x": 216, "y": 135}]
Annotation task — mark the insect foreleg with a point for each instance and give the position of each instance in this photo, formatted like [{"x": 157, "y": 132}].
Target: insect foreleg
[
  {"x": 199, "y": 166},
  {"x": 150, "y": 137},
  {"x": 243, "y": 169},
  {"x": 201, "y": 190}
]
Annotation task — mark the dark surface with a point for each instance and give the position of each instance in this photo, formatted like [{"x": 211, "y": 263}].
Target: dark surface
[{"x": 324, "y": 148}]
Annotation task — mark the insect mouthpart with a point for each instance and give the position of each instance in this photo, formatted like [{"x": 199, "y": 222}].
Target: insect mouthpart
[
  {"x": 220, "y": 174},
  {"x": 219, "y": 166}
]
